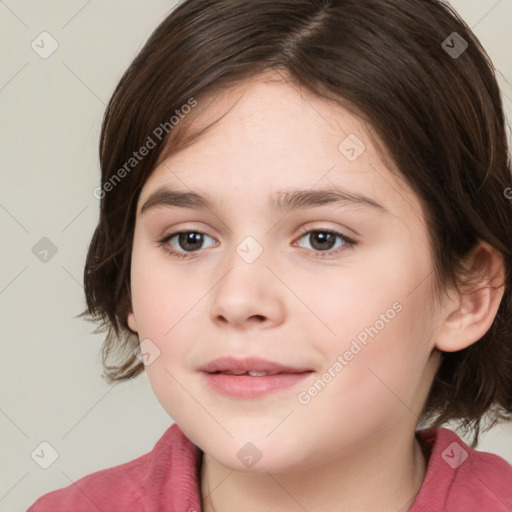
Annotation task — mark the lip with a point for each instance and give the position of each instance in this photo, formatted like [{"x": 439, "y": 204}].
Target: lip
[
  {"x": 254, "y": 364},
  {"x": 246, "y": 386}
]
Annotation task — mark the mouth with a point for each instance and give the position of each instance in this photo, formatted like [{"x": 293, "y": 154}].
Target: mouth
[
  {"x": 251, "y": 373},
  {"x": 251, "y": 377}
]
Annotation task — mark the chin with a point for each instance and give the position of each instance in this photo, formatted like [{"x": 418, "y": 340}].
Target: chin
[{"x": 258, "y": 455}]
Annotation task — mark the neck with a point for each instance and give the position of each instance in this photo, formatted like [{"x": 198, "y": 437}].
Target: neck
[{"x": 385, "y": 476}]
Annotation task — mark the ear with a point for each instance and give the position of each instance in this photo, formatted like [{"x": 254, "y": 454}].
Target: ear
[
  {"x": 132, "y": 323},
  {"x": 471, "y": 314},
  {"x": 130, "y": 319}
]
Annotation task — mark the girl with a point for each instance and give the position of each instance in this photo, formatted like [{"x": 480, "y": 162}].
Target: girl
[{"x": 305, "y": 240}]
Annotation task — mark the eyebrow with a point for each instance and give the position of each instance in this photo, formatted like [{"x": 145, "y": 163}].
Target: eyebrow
[{"x": 282, "y": 201}]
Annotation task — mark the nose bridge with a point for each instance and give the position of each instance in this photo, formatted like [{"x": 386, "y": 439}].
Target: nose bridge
[
  {"x": 248, "y": 290},
  {"x": 250, "y": 250},
  {"x": 250, "y": 242}
]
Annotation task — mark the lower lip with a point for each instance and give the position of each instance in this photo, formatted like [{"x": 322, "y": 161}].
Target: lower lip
[{"x": 245, "y": 386}]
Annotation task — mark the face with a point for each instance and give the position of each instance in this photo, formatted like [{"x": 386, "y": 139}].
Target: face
[{"x": 329, "y": 287}]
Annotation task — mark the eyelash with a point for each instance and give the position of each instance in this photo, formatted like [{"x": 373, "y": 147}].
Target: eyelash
[{"x": 347, "y": 243}]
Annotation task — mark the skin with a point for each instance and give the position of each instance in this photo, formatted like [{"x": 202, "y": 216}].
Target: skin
[{"x": 352, "y": 446}]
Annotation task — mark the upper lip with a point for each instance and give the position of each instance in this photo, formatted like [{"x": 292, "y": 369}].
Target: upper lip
[{"x": 250, "y": 364}]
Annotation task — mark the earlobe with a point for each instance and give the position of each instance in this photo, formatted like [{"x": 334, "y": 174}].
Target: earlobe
[
  {"x": 478, "y": 304},
  {"x": 132, "y": 323}
]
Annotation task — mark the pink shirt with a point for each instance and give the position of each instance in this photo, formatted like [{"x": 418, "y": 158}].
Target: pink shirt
[{"x": 458, "y": 479}]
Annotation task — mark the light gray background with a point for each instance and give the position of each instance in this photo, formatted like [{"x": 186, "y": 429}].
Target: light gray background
[{"x": 51, "y": 110}]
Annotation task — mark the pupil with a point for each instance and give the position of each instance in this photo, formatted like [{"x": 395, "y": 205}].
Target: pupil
[
  {"x": 321, "y": 239},
  {"x": 190, "y": 241}
]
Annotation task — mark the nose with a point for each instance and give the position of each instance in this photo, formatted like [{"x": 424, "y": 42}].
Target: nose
[{"x": 248, "y": 296}]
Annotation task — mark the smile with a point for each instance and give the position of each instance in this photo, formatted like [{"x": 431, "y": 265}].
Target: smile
[{"x": 251, "y": 377}]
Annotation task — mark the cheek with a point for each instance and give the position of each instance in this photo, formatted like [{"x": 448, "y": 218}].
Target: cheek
[
  {"x": 162, "y": 293},
  {"x": 165, "y": 301},
  {"x": 379, "y": 296},
  {"x": 369, "y": 385},
  {"x": 382, "y": 322}
]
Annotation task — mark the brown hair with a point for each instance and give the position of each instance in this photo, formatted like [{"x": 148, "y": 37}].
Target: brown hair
[{"x": 432, "y": 101}]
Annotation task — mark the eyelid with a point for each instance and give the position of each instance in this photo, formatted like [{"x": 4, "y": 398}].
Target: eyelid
[
  {"x": 323, "y": 228},
  {"x": 165, "y": 241},
  {"x": 349, "y": 242}
]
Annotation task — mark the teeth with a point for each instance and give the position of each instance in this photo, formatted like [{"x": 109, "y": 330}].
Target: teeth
[
  {"x": 251, "y": 373},
  {"x": 261, "y": 374}
]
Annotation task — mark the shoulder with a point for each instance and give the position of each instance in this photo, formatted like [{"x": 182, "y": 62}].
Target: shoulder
[
  {"x": 163, "y": 477},
  {"x": 461, "y": 478}
]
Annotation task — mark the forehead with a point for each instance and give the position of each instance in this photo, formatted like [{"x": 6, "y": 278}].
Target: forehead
[{"x": 267, "y": 135}]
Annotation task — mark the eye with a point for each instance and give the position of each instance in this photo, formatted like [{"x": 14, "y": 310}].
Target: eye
[
  {"x": 326, "y": 241},
  {"x": 182, "y": 243},
  {"x": 323, "y": 242}
]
